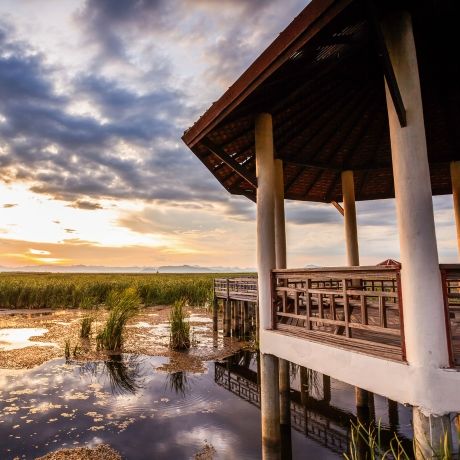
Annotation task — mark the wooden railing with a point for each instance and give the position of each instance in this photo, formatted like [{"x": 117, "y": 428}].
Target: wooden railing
[
  {"x": 357, "y": 308},
  {"x": 451, "y": 282},
  {"x": 244, "y": 289}
]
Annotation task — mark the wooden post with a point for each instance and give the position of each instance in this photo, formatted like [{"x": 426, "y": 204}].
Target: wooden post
[
  {"x": 326, "y": 388},
  {"x": 280, "y": 252},
  {"x": 280, "y": 221},
  {"x": 234, "y": 317},
  {"x": 455, "y": 179},
  {"x": 245, "y": 320},
  {"x": 215, "y": 315},
  {"x": 393, "y": 415},
  {"x": 228, "y": 318},
  {"x": 351, "y": 227}
]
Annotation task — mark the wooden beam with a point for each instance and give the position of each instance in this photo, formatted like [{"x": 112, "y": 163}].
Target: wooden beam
[
  {"x": 338, "y": 207},
  {"x": 231, "y": 162},
  {"x": 388, "y": 71}
]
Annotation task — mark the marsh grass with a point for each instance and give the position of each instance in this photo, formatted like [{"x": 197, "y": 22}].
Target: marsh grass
[
  {"x": 69, "y": 290},
  {"x": 123, "y": 305},
  {"x": 179, "y": 338},
  {"x": 86, "y": 324},
  {"x": 370, "y": 438}
]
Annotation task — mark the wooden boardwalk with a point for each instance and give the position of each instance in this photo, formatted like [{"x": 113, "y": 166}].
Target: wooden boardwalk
[{"x": 353, "y": 308}]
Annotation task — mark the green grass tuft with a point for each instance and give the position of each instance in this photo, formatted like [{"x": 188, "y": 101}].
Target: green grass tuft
[
  {"x": 86, "y": 324},
  {"x": 180, "y": 328},
  {"x": 123, "y": 305}
]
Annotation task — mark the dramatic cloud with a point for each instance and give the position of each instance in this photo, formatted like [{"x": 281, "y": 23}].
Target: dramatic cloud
[{"x": 94, "y": 97}]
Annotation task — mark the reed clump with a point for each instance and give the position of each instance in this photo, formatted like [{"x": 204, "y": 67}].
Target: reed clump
[
  {"x": 123, "y": 306},
  {"x": 86, "y": 324},
  {"x": 367, "y": 442},
  {"x": 179, "y": 338}
]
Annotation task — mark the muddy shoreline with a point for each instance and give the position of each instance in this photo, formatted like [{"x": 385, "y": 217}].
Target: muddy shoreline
[{"x": 146, "y": 334}]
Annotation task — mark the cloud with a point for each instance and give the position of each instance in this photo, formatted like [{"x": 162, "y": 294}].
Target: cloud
[
  {"x": 41, "y": 252},
  {"x": 133, "y": 151},
  {"x": 83, "y": 204},
  {"x": 9, "y": 205}
]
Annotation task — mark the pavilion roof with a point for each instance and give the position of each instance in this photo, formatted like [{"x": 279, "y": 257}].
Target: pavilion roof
[{"x": 322, "y": 80}]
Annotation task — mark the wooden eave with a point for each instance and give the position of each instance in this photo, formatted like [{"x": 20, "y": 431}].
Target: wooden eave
[{"x": 322, "y": 79}]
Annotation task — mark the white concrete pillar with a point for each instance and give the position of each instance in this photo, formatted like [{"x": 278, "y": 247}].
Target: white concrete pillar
[
  {"x": 270, "y": 408},
  {"x": 265, "y": 168},
  {"x": 424, "y": 323},
  {"x": 430, "y": 433},
  {"x": 266, "y": 261},
  {"x": 349, "y": 215},
  {"x": 455, "y": 178}
]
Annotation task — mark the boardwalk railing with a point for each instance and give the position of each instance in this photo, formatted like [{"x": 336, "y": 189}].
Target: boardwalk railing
[
  {"x": 356, "y": 308},
  {"x": 451, "y": 283},
  {"x": 244, "y": 289}
]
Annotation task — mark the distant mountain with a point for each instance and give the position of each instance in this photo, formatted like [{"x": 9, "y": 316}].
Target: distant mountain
[
  {"x": 104, "y": 269},
  {"x": 199, "y": 269}
]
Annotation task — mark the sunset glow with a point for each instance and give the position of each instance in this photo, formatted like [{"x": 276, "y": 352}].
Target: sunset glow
[{"x": 92, "y": 169}]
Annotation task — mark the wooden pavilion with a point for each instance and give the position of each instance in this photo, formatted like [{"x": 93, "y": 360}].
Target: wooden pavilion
[{"x": 355, "y": 100}]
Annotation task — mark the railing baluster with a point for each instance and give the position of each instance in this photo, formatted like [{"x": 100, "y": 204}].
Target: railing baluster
[
  {"x": 363, "y": 309},
  {"x": 308, "y": 303},
  {"x": 346, "y": 310}
]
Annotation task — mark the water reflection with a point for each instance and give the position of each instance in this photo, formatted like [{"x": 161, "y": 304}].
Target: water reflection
[
  {"x": 60, "y": 405},
  {"x": 178, "y": 383},
  {"x": 315, "y": 411},
  {"x": 123, "y": 373}
]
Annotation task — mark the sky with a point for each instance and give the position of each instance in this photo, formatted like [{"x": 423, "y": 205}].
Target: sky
[{"x": 94, "y": 98}]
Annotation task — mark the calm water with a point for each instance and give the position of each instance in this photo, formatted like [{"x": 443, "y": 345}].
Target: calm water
[{"x": 146, "y": 413}]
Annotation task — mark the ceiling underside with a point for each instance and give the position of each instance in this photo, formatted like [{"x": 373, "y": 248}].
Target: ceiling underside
[{"x": 329, "y": 110}]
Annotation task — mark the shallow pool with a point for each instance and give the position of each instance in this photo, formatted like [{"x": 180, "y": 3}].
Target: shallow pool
[{"x": 144, "y": 412}]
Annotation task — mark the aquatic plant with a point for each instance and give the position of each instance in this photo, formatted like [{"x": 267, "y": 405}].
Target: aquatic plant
[
  {"x": 68, "y": 352},
  {"x": 366, "y": 442},
  {"x": 124, "y": 306},
  {"x": 67, "y": 349},
  {"x": 179, "y": 338},
  {"x": 86, "y": 324}
]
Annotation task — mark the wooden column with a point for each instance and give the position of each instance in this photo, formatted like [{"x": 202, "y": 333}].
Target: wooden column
[
  {"x": 228, "y": 318},
  {"x": 280, "y": 252},
  {"x": 215, "y": 315},
  {"x": 280, "y": 221},
  {"x": 351, "y": 227},
  {"x": 455, "y": 178},
  {"x": 351, "y": 240}
]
